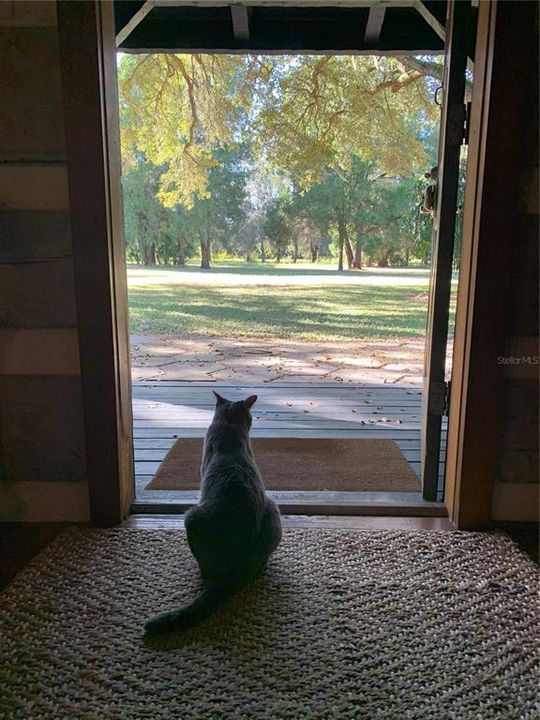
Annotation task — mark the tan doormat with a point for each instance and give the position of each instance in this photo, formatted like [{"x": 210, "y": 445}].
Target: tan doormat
[{"x": 301, "y": 464}]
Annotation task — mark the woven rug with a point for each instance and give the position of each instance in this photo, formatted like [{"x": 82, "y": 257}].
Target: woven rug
[
  {"x": 344, "y": 625},
  {"x": 301, "y": 464}
]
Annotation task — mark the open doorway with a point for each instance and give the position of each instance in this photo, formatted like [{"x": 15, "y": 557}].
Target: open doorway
[{"x": 297, "y": 304}]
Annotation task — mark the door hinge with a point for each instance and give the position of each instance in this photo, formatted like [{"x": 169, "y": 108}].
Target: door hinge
[{"x": 439, "y": 398}]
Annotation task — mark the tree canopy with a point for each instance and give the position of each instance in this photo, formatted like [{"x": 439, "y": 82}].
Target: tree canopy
[{"x": 303, "y": 152}]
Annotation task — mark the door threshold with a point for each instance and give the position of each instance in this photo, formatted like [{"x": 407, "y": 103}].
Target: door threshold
[
  {"x": 292, "y": 502},
  {"x": 171, "y": 521}
]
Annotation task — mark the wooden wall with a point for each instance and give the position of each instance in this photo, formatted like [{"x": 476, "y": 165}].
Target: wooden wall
[
  {"x": 42, "y": 451},
  {"x": 516, "y": 488},
  {"x": 43, "y": 465}
]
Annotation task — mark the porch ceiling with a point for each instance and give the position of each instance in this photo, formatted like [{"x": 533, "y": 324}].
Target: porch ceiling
[{"x": 346, "y": 26}]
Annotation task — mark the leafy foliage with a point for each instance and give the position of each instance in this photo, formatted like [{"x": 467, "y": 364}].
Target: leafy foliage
[{"x": 299, "y": 155}]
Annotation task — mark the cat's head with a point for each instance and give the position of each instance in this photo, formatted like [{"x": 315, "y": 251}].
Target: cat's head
[{"x": 234, "y": 412}]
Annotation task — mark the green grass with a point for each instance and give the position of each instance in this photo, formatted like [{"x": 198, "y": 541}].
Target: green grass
[
  {"x": 311, "y": 313},
  {"x": 274, "y": 269}
]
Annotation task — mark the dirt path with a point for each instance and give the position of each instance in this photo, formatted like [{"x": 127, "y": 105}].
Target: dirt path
[{"x": 201, "y": 359}]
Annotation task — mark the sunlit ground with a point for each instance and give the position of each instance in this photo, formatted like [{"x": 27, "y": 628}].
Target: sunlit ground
[
  {"x": 275, "y": 274},
  {"x": 281, "y": 302}
]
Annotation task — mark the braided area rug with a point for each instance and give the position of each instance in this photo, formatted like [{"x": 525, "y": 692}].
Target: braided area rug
[{"x": 344, "y": 624}]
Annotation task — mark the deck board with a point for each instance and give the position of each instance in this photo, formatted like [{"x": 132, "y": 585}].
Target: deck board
[{"x": 165, "y": 411}]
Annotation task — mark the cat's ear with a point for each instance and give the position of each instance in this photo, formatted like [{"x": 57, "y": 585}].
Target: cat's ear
[
  {"x": 219, "y": 398},
  {"x": 250, "y": 401}
]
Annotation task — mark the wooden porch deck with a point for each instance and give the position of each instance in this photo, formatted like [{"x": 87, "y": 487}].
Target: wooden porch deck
[{"x": 166, "y": 410}]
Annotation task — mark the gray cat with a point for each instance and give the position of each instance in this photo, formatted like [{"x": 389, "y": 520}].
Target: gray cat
[{"x": 235, "y": 527}]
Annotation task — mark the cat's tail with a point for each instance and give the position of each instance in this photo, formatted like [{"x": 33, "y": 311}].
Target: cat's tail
[{"x": 202, "y": 607}]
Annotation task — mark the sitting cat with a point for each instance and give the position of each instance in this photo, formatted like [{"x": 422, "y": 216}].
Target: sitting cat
[{"x": 235, "y": 526}]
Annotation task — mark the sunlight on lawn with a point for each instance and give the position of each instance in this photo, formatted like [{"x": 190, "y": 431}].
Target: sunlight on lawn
[
  {"x": 281, "y": 307},
  {"x": 275, "y": 274}
]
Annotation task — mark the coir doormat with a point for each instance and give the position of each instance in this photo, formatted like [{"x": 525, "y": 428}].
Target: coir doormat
[{"x": 301, "y": 464}]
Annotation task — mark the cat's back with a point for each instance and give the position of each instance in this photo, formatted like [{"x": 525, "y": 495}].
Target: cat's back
[{"x": 232, "y": 475}]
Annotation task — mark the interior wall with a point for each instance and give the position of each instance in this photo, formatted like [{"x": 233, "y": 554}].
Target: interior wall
[
  {"x": 42, "y": 451},
  {"x": 516, "y": 492}
]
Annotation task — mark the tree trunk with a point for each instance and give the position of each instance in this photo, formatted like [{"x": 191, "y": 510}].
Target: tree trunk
[
  {"x": 147, "y": 253},
  {"x": 344, "y": 244},
  {"x": 140, "y": 253},
  {"x": 181, "y": 251},
  {"x": 407, "y": 257},
  {"x": 263, "y": 251},
  {"x": 295, "y": 251},
  {"x": 348, "y": 251},
  {"x": 314, "y": 250},
  {"x": 357, "y": 261},
  {"x": 340, "y": 261},
  {"x": 206, "y": 254}
]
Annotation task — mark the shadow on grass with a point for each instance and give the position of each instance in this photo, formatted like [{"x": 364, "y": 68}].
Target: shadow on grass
[{"x": 316, "y": 313}]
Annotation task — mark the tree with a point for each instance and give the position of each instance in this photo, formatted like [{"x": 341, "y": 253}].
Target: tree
[
  {"x": 144, "y": 214},
  {"x": 276, "y": 226},
  {"x": 306, "y": 113},
  {"x": 342, "y": 204},
  {"x": 327, "y": 110},
  {"x": 307, "y": 238},
  {"x": 213, "y": 219},
  {"x": 326, "y": 133},
  {"x": 194, "y": 100},
  {"x": 177, "y": 236},
  {"x": 261, "y": 188}
]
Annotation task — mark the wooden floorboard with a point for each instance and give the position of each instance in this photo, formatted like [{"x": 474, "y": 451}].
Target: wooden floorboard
[
  {"x": 164, "y": 411},
  {"x": 282, "y": 430},
  {"x": 313, "y": 386}
]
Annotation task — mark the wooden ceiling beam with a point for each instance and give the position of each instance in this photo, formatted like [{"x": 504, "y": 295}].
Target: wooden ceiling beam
[
  {"x": 139, "y": 16},
  {"x": 240, "y": 22},
  {"x": 228, "y": 26},
  {"x": 431, "y": 20},
  {"x": 374, "y": 25}
]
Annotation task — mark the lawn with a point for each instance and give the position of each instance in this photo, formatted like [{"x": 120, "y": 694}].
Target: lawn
[{"x": 280, "y": 302}]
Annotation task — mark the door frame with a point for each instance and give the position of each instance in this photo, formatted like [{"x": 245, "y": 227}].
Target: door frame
[
  {"x": 450, "y": 143},
  {"x": 490, "y": 209},
  {"x": 87, "y": 48},
  {"x": 88, "y": 63}
]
